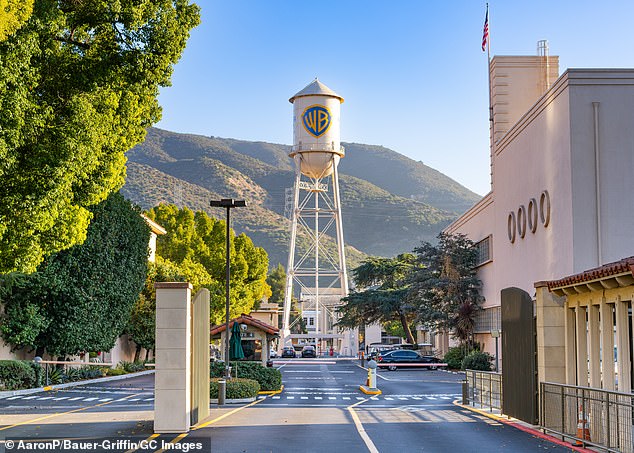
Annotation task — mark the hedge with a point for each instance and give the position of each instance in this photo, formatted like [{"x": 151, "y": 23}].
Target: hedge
[
  {"x": 477, "y": 360},
  {"x": 17, "y": 374},
  {"x": 270, "y": 379},
  {"x": 237, "y": 388}
]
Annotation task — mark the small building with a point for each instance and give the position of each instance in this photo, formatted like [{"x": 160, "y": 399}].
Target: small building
[
  {"x": 257, "y": 337},
  {"x": 583, "y": 327}
]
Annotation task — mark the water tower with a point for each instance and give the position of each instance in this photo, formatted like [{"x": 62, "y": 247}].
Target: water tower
[{"x": 319, "y": 267}]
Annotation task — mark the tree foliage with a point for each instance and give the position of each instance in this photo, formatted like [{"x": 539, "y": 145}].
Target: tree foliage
[
  {"x": 142, "y": 323},
  {"x": 80, "y": 299},
  {"x": 78, "y": 88},
  {"x": 195, "y": 242},
  {"x": 382, "y": 296},
  {"x": 13, "y": 14},
  {"x": 445, "y": 287}
]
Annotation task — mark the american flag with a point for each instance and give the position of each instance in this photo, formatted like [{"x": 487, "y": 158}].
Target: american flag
[{"x": 485, "y": 32}]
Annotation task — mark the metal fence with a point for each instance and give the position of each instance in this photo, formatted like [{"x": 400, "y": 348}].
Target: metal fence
[
  {"x": 485, "y": 389},
  {"x": 590, "y": 416}
]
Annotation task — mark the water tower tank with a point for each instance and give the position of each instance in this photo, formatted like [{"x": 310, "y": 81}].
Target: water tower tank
[{"x": 316, "y": 129}]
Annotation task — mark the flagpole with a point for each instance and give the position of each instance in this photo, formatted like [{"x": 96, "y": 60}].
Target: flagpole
[{"x": 491, "y": 123}]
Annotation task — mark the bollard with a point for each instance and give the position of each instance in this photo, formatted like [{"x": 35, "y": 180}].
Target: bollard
[
  {"x": 465, "y": 392},
  {"x": 372, "y": 374},
  {"x": 362, "y": 358},
  {"x": 222, "y": 392}
]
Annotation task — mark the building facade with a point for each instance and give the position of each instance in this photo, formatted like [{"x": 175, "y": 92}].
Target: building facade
[{"x": 561, "y": 199}]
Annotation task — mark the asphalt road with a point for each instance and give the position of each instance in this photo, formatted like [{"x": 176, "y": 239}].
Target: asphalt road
[{"x": 320, "y": 410}]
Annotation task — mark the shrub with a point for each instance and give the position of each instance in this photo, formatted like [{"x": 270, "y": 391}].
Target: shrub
[
  {"x": 131, "y": 367},
  {"x": 477, "y": 360},
  {"x": 115, "y": 371},
  {"x": 16, "y": 374},
  {"x": 237, "y": 388},
  {"x": 268, "y": 378},
  {"x": 453, "y": 358},
  {"x": 90, "y": 372}
]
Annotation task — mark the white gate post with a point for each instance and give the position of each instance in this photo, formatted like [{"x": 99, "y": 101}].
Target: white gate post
[{"x": 172, "y": 381}]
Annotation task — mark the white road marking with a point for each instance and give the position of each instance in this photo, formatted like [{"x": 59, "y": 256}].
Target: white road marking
[
  {"x": 107, "y": 399},
  {"x": 91, "y": 399},
  {"x": 61, "y": 398}
]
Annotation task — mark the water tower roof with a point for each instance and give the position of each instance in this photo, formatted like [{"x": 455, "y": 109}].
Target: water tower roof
[{"x": 316, "y": 88}]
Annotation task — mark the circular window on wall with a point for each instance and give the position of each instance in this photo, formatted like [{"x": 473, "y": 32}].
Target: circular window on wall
[
  {"x": 544, "y": 208},
  {"x": 511, "y": 226},
  {"x": 521, "y": 221},
  {"x": 532, "y": 215}
]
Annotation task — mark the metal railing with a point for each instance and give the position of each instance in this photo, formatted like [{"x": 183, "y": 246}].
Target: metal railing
[
  {"x": 590, "y": 416},
  {"x": 485, "y": 389}
]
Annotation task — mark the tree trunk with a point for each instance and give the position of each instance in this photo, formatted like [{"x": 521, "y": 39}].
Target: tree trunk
[
  {"x": 137, "y": 353},
  {"x": 408, "y": 332}
]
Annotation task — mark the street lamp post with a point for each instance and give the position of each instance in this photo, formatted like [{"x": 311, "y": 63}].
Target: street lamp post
[
  {"x": 227, "y": 203},
  {"x": 496, "y": 334}
]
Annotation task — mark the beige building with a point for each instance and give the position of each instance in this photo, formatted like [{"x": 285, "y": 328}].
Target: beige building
[{"x": 562, "y": 193}]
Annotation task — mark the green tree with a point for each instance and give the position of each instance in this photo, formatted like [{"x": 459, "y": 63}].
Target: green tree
[
  {"x": 195, "y": 242},
  {"x": 444, "y": 286},
  {"x": 13, "y": 14},
  {"x": 78, "y": 87},
  {"x": 382, "y": 298},
  {"x": 142, "y": 323},
  {"x": 80, "y": 299}
]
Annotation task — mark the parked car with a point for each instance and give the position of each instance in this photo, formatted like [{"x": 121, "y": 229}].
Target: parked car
[
  {"x": 288, "y": 351},
  {"x": 392, "y": 359},
  {"x": 273, "y": 353},
  {"x": 309, "y": 351}
]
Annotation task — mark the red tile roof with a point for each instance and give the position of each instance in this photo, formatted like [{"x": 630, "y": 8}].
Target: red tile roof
[
  {"x": 607, "y": 270},
  {"x": 249, "y": 320}
]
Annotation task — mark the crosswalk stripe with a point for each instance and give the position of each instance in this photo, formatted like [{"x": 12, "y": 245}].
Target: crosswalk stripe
[
  {"x": 61, "y": 398},
  {"x": 332, "y": 397},
  {"x": 29, "y": 397},
  {"x": 135, "y": 399},
  {"x": 318, "y": 398},
  {"x": 91, "y": 399},
  {"x": 388, "y": 398},
  {"x": 14, "y": 398},
  {"x": 47, "y": 398},
  {"x": 276, "y": 397},
  {"x": 152, "y": 399},
  {"x": 346, "y": 397},
  {"x": 76, "y": 398},
  {"x": 105, "y": 399},
  {"x": 290, "y": 397},
  {"x": 303, "y": 397}
]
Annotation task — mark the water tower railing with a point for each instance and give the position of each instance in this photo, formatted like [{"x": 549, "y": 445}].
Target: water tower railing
[{"x": 328, "y": 147}]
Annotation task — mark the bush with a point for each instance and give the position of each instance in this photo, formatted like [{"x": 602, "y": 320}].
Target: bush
[
  {"x": 131, "y": 367},
  {"x": 115, "y": 371},
  {"x": 270, "y": 379},
  {"x": 476, "y": 360},
  {"x": 454, "y": 358},
  {"x": 17, "y": 374},
  {"x": 237, "y": 388}
]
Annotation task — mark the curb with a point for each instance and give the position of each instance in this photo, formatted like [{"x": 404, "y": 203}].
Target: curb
[
  {"x": 271, "y": 392},
  {"x": 234, "y": 400},
  {"x": 369, "y": 390},
  {"x": 522, "y": 426},
  {"x": 72, "y": 384}
]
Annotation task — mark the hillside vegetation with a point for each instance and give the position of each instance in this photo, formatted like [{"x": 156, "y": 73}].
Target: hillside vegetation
[{"x": 390, "y": 203}]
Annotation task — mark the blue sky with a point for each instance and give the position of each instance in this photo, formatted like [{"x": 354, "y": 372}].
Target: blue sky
[{"x": 412, "y": 72}]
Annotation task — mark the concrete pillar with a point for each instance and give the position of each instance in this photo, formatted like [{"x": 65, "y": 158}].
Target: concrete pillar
[
  {"x": 551, "y": 338},
  {"x": 623, "y": 345},
  {"x": 582, "y": 346},
  {"x": 172, "y": 385},
  {"x": 571, "y": 352},
  {"x": 594, "y": 346},
  {"x": 607, "y": 343}
]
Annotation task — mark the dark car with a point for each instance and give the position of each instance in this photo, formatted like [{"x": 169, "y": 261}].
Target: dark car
[
  {"x": 309, "y": 351},
  {"x": 405, "y": 358},
  {"x": 288, "y": 351}
]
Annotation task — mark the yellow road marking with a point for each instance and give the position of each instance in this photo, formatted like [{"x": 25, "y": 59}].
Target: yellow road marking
[
  {"x": 361, "y": 430},
  {"x": 217, "y": 419},
  {"x": 173, "y": 441},
  {"x": 57, "y": 414}
]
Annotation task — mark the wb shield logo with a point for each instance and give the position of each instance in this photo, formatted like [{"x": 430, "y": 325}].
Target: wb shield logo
[{"x": 316, "y": 120}]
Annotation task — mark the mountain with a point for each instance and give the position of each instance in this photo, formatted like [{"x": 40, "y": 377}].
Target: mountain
[{"x": 390, "y": 203}]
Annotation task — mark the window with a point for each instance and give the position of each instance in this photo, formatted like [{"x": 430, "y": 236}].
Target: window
[
  {"x": 311, "y": 321},
  {"x": 484, "y": 251},
  {"x": 487, "y": 320}
]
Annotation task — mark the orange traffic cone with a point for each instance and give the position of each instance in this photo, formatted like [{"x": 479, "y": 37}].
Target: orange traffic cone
[{"x": 583, "y": 431}]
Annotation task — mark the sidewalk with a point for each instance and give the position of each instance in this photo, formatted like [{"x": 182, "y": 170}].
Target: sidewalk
[
  {"x": 8, "y": 393},
  {"x": 523, "y": 426}
]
